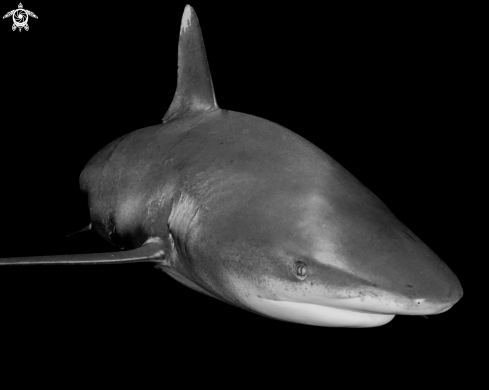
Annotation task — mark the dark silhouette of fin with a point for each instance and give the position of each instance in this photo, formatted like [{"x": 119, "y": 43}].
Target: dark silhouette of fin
[
  {"x": 82, "y": 230},
  {"x": 195, "y": 92},
  {"x": 151, "y": 252}
]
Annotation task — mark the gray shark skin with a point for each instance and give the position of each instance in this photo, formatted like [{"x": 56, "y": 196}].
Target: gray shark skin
[{"x": 248, "y": 212}]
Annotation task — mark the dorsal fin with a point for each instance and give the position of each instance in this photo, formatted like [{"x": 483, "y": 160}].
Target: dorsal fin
[{"x": 195, "y": 92}]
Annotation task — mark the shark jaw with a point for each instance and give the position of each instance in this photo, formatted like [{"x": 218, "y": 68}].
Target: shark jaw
[
  {"x": 357, "y": 312},
  {"x": 319, "y": 315}
]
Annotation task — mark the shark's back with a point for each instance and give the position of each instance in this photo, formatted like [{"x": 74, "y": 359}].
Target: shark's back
[{"x": 129, "y": 179}]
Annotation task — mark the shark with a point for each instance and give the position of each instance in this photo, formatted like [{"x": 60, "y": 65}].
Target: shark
[{"x": 248, "y": 212}]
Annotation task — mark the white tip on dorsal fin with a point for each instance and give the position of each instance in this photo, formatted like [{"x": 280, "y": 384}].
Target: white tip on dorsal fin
[
  {"x": 186, "y": 19},
  {"x": 195, "y": 92}
]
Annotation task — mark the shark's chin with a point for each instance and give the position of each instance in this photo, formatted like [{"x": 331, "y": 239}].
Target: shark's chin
[{"x": 319, "y": 315}]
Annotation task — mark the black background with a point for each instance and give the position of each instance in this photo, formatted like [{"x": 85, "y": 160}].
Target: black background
[{"x": 383, "y": 91}]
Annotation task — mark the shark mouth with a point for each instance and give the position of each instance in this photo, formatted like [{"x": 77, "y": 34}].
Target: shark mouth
[
  {"x": 358, "y": 312},
  {"x": 319, "y": 315}
]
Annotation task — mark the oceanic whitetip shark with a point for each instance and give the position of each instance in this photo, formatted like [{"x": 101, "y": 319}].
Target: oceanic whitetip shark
[{"x": 248, "y": 212}]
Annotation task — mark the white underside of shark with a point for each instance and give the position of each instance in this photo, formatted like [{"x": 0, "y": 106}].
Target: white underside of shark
[
  {"x": 352, "y": 312},
  {"x": 319, "y": 315}
]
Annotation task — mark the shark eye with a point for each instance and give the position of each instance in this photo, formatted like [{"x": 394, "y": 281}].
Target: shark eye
[{"x": 300, "y": 270}]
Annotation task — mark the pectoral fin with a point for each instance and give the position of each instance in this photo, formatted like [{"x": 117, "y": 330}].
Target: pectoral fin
[{"x": 150, "y": 252}]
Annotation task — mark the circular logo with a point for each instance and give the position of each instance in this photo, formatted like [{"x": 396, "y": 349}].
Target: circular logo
[{"x": 20, "y": 17}]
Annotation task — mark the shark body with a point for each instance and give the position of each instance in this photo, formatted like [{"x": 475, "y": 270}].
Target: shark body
[{"x": 248, "y": 212}]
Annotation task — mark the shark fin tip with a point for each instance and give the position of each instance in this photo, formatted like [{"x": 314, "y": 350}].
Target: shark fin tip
[{"x": 195, "y": 92}]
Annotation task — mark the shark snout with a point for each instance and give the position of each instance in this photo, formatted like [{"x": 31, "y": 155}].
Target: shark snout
[
  {"x": 413, "y": 282},
  {"x": 430, "y": 289},
  {"x": 417, "y": 291}
]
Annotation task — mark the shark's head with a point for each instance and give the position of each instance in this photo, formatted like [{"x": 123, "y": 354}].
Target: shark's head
[
  {"x": 285, "y": 231},
  {"x": 327, "y": 262}
]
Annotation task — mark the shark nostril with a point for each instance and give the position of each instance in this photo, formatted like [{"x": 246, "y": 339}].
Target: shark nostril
[{"x": 409, "y": 285}]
